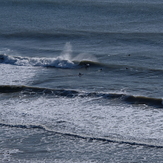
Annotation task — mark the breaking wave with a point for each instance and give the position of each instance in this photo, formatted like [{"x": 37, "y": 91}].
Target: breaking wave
[
  {"x": 130, "y": 99},
  {"x": 86, "y": 137},
  {"x": 58, "y": 62},
  {"x": 65, "y": 60}
]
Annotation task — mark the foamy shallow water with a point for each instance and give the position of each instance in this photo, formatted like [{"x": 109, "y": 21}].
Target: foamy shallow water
[
  {"x": 16, "y": 75},
  {"x": 81, "y": 81},
  {"x": 84, "y": 116}
]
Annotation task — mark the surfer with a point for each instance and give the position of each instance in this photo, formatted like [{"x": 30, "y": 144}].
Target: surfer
[
  {"x": 1, "y": 58},
  {"x": 87, "y": 65},
  {"x": 80, "y": 74}
]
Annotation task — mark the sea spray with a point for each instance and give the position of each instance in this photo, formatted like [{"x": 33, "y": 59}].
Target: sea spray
[{"x": 64, "y": 60}]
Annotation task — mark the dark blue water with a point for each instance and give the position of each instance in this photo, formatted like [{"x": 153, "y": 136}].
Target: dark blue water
[{"x": 81, "y": 81}]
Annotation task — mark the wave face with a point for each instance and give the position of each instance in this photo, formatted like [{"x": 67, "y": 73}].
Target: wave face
[
  {"x": 65, "y": 60},
  {"x": 58, "y": 62},
  {"x": 131, "y": 99}
]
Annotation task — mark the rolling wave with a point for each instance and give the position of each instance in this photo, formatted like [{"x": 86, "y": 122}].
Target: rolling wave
[
  {"x": 130, "y": 99},
  {"x": 58, "y": 62},
  {"x": 85, "y": 137},
  {"x": 66, "y": 62}
]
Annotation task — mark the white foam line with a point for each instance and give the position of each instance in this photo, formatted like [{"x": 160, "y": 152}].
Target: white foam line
[{"x": 42, "y": 127}]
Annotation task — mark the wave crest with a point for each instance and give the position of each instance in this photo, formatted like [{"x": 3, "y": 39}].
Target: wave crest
[
  {"x": 130, "y": 99},
  {"x": 58, "y": 62},
  {"x": 86, "y": 137}
]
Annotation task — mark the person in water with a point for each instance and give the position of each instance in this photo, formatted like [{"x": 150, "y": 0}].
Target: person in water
[{"x": 80, "y": 74}]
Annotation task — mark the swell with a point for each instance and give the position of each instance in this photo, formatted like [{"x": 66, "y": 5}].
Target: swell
[
  {"x": 130, "y": 99},
  {"x": 96, "y": 3},
  {"x": 76, "y": 33},
  {"x": 86, "y": 137},
  {"x": 42, "y": 35},
  {"x": 130, "y": 38}
]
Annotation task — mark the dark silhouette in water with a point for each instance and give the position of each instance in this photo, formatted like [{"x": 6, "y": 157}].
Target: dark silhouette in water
[{"x": 80, "y": 74}]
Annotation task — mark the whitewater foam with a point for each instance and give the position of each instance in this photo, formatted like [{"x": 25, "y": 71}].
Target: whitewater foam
[
  {"x": 130, "y": 99},
  {"x": 64, "y": 60},
  {"x": 87, "y": 137},
  {"x": 58, "y": 62},
  {"x": 89, "y": 115}
]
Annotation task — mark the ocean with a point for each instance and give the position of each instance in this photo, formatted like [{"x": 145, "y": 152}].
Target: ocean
[{"x": 81, "y": 81}]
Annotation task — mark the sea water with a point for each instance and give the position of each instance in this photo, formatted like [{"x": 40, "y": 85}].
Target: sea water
[{"x": 81, "y": 81}]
